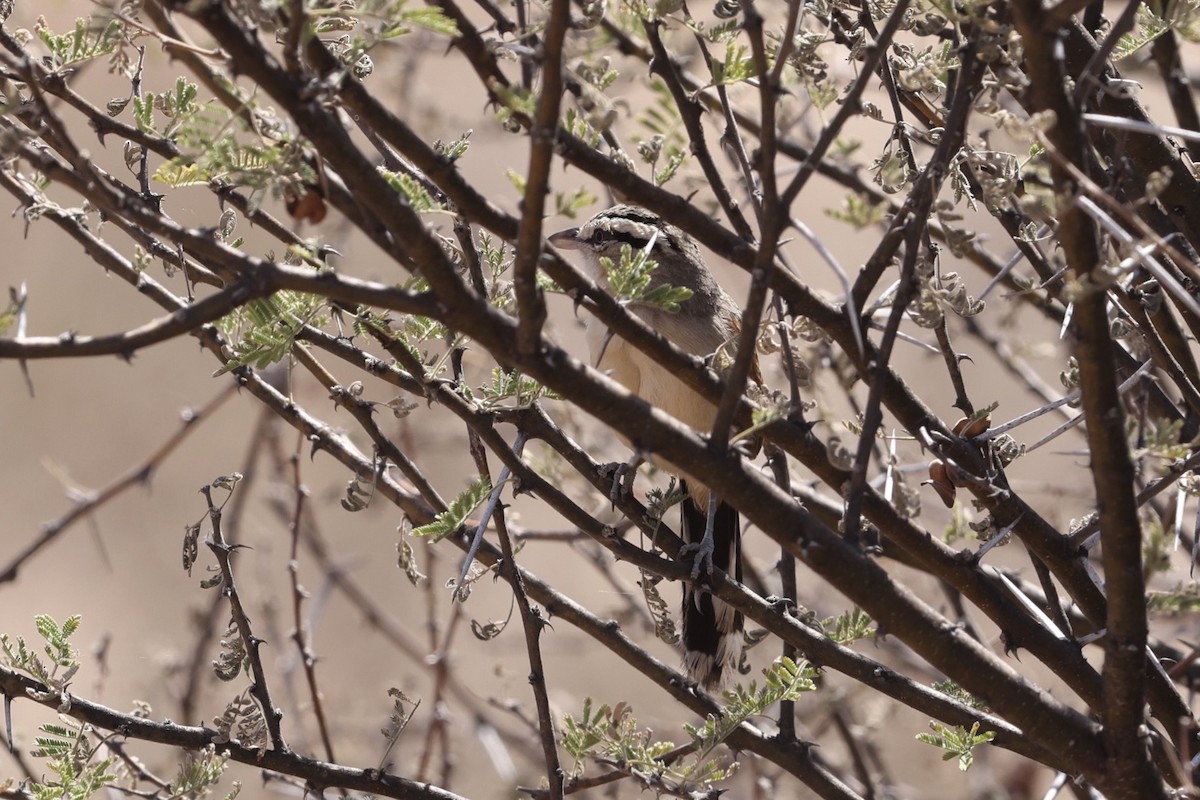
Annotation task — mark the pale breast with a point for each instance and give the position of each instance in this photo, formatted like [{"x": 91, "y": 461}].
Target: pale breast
[{"x": 651, "y": 381}]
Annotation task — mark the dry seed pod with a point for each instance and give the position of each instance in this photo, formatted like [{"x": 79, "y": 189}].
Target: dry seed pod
[
  {"x": 309, "y": 206},
  {"x": 969, "y": 428},
  {"x": 939, "y": 479}
]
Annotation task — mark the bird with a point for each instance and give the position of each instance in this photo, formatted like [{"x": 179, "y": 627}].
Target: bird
[{"x": 703, "y": 324}]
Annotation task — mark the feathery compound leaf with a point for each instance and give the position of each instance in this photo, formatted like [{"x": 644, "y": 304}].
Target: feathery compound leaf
[
  {"x": 1149, "y": 27},
  {"x": 667, "y": 297},
  {"x": 948, "y": 687},
  {"x": 198, "y": 772},
  {"x": 630, "y": 280},
  {"x": 848, "y": 627},
  {"x": 509, "y": 384},
  {"x": 69, "y": 753},
  {"x": 60, "y": 651},
  {"x": 407, "y": 19},
  {"x": 737, "y": 66},
  {"x": 449, "y": 520},
  {"x": 262, "y": 332},
  {"x": 412, "y": 190},
  {"x": 456, "y": 149},
  {"x": 431, "y": 19},
  {"x": 786, "y": 679},
  {"x": 84, "y": 42},
  {"x": 612, "y": 734},
  {"x": 958, "y": 743}
]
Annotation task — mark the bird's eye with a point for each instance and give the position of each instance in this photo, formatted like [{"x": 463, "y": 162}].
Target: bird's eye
[
  {"x": 605, "y": 235},
  {"x": 601, "y": 236}
]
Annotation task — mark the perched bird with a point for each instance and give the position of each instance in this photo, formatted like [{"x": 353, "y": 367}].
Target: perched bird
[{"x": 705, "y": 323}]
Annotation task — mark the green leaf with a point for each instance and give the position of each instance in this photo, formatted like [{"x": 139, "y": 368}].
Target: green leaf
[
  {"x": 403, "y": 21},
  {"x": 1149, "y": 27},
  {"x": 631, "y": 281},
  {"x": 737, "y": 66},
  {"x": 143, "y": 112},
  {"x": 453, "y": 517},
  {"x": 218, "y": 147},
  {"x": 508, "y": 384},
  {"x": 570, "y": 204},
  {"x": 1183, "y": 600},
  {"x": 177, "y": 172},
  {"x": 859, "y": 211},
  {"x": 949, "y": 687},
  {"x": 263, "y": 331},
  {"x": 675, "y": 158},
  {"x": 848, "y": 627},
  {"x": 580, "y": 128},
  {"x": 199, "y": 772},
  {"x": 786, "y": 679},
  {"x": 516, "y": 179},
  {"x": 69, "y": 752},
  {"x": 413, "y": 191},
  {"x": 431, "y": 19},
  {"x": 666, "y": 297},
  {"x": 958, "y": 743},
  {"x": 456, "y": 149},
  {"x": 83, "y": 43}
]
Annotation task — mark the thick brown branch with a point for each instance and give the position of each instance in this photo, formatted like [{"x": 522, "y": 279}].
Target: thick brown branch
[
  {"x": 531, "y": 307},
  {"x": 1130, "y": 770}
]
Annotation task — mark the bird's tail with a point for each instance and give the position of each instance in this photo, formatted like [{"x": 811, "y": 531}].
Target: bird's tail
[{"x": 712, "y": 630}]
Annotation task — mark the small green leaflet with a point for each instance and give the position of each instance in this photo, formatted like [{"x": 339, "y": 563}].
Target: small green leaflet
[{"x": 449, "y": 520}]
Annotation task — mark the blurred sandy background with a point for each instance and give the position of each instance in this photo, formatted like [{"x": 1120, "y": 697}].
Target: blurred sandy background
[{"x": 91, "y": 420}]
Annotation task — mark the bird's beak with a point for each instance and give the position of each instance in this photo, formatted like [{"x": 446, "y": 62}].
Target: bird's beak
[{"x": 565, "y": 239}]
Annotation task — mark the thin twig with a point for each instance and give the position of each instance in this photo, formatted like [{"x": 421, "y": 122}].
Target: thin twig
[
  {"x": 301, "y": 637},
  {"x": 259, "y": 688},
  {"x": 88, "y": 502}
]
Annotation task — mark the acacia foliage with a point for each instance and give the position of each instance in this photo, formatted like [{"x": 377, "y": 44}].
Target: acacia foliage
[{"x": 1001, "y": 156}]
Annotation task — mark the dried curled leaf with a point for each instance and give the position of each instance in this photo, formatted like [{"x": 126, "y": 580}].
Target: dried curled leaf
[
  {"x": 242, "y": 721},
  {"x": 407, "y": 560},
  {"x": 664, "y": 624},
  {"x": 191, "y": 549},
  {"x": 233, "y": 657}
]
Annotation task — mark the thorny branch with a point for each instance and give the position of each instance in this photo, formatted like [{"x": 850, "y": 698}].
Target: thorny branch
[{"x": 1115, "y": 278}]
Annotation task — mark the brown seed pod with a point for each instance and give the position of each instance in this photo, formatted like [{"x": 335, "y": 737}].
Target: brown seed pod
[
  {"x": 939, "y": 479},
  {"x": 309, "y": 206},
  {"x": 969, "y": 428}
]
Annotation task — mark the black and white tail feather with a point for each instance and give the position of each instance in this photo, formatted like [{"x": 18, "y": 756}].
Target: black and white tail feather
[{"x": 712, "y": 629}]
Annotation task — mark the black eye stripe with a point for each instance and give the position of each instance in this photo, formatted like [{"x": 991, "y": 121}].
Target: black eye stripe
[{"x": 600, "y": 235}]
